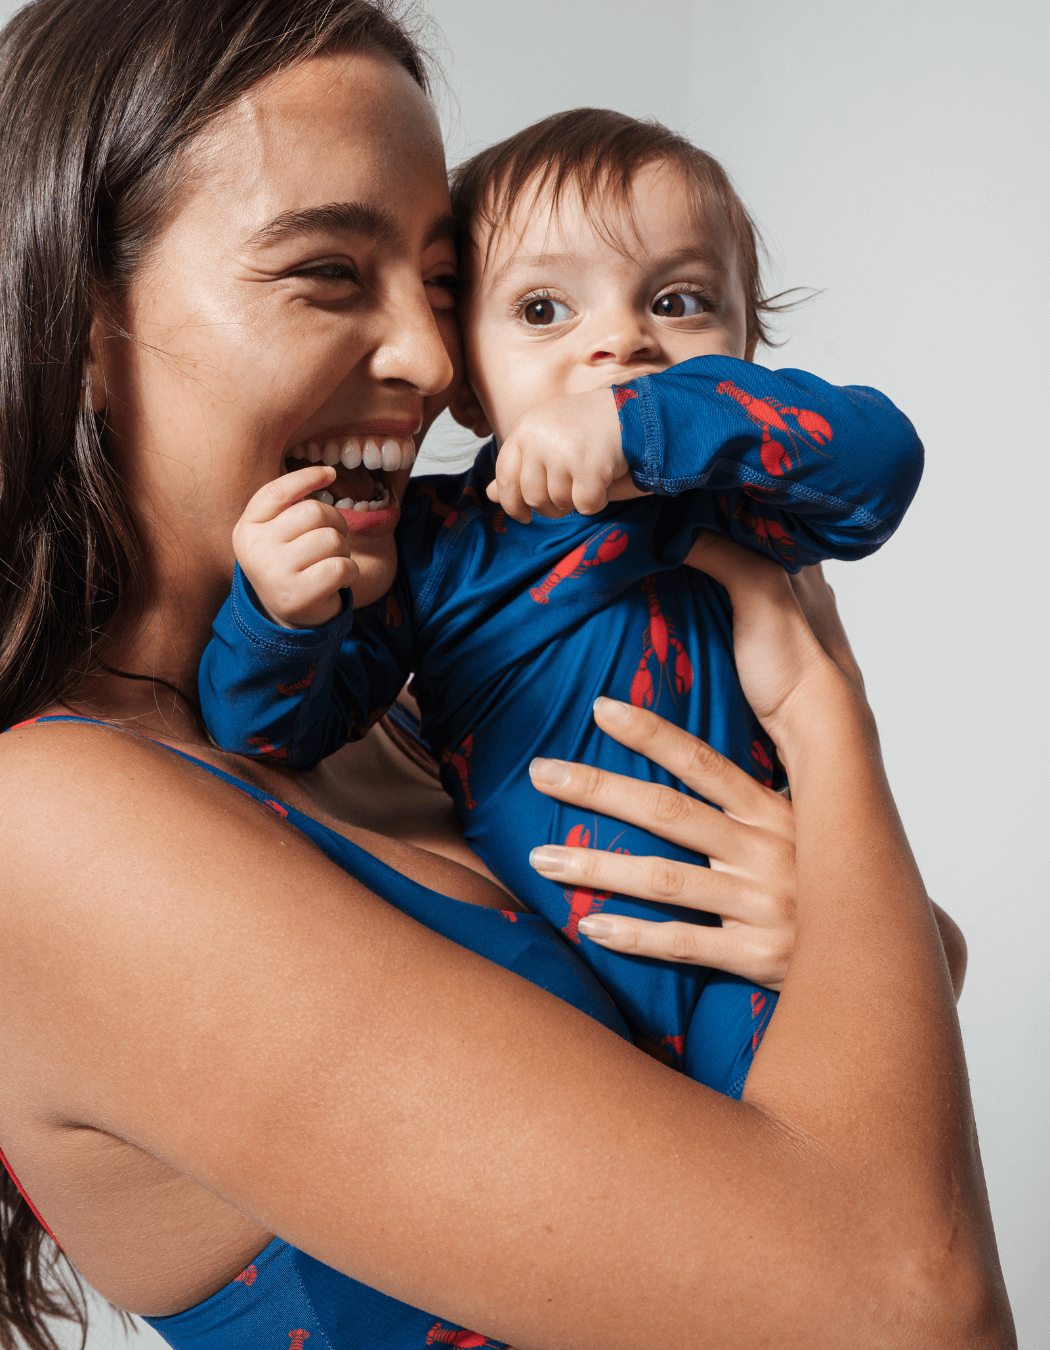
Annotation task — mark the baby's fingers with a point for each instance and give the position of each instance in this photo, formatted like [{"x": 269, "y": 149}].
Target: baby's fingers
[{"x": 272, "y": 498}]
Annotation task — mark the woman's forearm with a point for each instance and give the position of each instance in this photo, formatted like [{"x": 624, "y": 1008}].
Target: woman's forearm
[{"x": 864, "y": 1055}]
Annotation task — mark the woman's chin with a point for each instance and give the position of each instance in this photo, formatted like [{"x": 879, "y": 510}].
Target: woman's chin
[{"x": 376, "y": 558}]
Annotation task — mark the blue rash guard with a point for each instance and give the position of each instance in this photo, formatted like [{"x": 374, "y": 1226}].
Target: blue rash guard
[
  {"x": 285, "y": 1297},
  {"x": 513, "y": 630}
]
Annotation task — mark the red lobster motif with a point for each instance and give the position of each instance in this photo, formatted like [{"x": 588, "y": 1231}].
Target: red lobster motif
[
  {"x": 460, "y": 761},
  {"x": 583, "y": 900},
  {"x": 621, "y": 394},
  {"x": 439, "y": 1335},
  {"x": 610, "y": 544},
  {"x": 760, "y": 1015},
  {"x": 267, "y": 749},
  {"x": 769, "y": 533},
  {"x": 297, "y": 686},
  {"x": 447, "y": 514},
  {"x": 775, "y": 455},
  {"x": 247, "y": 1276},
  {"x": 298, "y": 1336},
  {"x": 668, "y": 1049},
  {"x": 657, "y": 640},
  {"x": 762, "y": 762}
]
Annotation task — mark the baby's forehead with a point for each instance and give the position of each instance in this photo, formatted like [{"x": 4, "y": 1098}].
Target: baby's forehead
[{"x": 660, "y": 208}]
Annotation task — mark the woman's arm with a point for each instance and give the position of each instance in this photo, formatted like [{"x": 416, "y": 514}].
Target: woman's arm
[{"x": 187, "y": 974}]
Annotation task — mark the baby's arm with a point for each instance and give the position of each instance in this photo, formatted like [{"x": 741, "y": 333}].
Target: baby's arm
[
  {"x": 784, "y": 462},
  {"x": 269, "y": 684}
]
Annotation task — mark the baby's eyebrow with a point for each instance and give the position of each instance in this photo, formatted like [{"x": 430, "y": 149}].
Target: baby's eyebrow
[
  {"x": 528, "y": 261},
  {"x": 712, "y": 261},
  {"x": 340, "y": 217}
]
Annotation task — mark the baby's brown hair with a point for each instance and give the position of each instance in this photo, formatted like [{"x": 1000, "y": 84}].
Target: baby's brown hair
[{"x": 598, "y": 152}]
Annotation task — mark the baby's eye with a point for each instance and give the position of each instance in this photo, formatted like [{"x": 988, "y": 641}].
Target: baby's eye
[
  {"x": 679, "y": 305},
  {"x": 543, "y": 311}
]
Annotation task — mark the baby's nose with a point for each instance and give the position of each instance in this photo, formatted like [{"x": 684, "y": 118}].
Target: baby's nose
[{"x": 624, "y": 340}]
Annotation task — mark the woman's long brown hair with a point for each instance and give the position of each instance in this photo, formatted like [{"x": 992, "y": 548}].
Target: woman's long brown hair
[{"x": 98, "y": 100}]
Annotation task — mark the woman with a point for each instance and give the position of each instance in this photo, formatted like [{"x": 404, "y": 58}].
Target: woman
[{"x": 224, "y": 230}]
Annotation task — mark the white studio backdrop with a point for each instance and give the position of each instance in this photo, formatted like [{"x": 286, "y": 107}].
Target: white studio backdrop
[{"x": 895, "y": 157}]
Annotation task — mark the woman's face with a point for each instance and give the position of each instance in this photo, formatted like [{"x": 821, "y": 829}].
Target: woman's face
[{"x": 300, "y": 293}]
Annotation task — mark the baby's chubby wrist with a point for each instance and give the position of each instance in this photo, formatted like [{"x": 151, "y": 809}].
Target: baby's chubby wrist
[{"x": 254, "y": 597}]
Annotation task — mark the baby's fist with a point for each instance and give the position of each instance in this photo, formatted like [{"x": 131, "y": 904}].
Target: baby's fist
[{"x": 563, "y": 456}]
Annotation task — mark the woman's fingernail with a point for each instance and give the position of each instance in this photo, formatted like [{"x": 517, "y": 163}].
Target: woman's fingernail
[
  {"x": 612, "y": 709},
  {"x": 594, "y": 926},
  {"x": 549, "y": 771},
  {"x": 546, "y": 858}
]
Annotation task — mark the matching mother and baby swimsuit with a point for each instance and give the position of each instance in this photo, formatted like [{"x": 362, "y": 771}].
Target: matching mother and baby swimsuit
[{"x": 512, "y": 631}]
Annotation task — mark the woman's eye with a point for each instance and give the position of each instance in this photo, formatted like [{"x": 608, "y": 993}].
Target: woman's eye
[
  {"x": 544, "y": 311},
  {"x": 444, "y": 290},
  {"x": 333, "y": 271},
  {"x": 679, "y": 305}
]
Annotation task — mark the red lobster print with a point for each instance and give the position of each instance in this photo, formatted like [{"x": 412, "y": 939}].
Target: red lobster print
[
  {"x": 583, "y": 900},
  {"x": 439, "y": 1335},
  {"x": 668, "y": 1049},
  {"x": 658, "y": 640},
  {"x": 769, "y": 533},
  {"x": 761, "y": 1011},
  {"x": 297, "y": 686},
  {"x": 392, "y": 614},
  {"x": 610, "y": 544},
  {"x": 775, "y": 455},
  {"x": 298, "y": 1336},
  {"x": 621, "y": 394},
  {"x": 267, "y": 749},
  {"x": 762, "y": 762},
  {"x": 460, "y": 761},
  {"x": 247, "y": 1276},
  {"x": 447, "y": 514}
]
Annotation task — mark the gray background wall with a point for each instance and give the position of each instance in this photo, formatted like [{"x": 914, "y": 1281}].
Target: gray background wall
[{"x": 895, "y": 156}]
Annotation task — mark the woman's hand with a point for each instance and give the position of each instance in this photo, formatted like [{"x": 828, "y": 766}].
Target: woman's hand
[{"x": 750, "y": 844}]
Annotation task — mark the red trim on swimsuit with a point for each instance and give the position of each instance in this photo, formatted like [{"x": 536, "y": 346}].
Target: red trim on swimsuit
[{"x": 21, "y": 1191}]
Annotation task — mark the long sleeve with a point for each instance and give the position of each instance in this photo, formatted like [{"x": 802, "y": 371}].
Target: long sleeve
[
  {"x": 297, "y": 695},
  {"x": 783, "y": 461}
]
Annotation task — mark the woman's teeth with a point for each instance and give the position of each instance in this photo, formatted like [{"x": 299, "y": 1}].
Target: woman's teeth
[
  {"x": 378, "y": 503},
  {"x": 373, "y": 452}
]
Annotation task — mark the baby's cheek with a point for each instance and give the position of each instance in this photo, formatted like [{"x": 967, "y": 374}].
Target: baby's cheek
[{"x": 377, "y": 561}]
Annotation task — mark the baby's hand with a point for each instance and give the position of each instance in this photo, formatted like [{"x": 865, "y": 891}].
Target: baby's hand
[
  {"x": 295, "y": 552},
  {"x": 564, "y": 455}
]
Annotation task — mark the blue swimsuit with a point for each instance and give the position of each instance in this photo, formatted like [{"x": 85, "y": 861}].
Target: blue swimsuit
[{"x": 285, "y": 1298}]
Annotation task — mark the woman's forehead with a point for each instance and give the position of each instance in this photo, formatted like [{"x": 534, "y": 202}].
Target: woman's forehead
[{"x": 346, "y": 127}]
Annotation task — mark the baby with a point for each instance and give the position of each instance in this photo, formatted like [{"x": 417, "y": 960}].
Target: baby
[{"x": 610, "y": 310}]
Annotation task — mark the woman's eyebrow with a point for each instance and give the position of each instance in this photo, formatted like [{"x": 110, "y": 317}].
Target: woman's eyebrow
[
  {"x": 343, "y": 217},
  {"x": 443, "y": 228}
]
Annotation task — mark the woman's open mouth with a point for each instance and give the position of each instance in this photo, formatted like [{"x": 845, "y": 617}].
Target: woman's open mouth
[{"x": 363, "y": 465}]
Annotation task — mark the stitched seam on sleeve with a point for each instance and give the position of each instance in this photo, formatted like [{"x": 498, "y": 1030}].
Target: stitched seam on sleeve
[
  {"x": 265, "y": 642},
  {"x": 784, "y": 488}
]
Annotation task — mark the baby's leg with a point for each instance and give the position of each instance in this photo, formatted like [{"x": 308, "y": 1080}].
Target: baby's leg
[{"x": 725, "y": 1030}]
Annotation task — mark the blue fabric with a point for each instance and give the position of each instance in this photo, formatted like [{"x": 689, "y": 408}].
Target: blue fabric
[
  {"x": 285, "y": 1297},
  {"x": 513, "y": 630}
]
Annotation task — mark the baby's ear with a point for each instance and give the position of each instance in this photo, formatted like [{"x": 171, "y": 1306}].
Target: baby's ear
[{"x": 465, "y": 408}]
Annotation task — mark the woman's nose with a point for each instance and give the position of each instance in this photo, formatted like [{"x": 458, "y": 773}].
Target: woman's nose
[
  {"x": 622, "y": 338},
  {"x": 411, "y": 349}
]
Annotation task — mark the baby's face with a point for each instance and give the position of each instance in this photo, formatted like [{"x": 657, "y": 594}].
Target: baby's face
[{"x": 559, "y": 309}]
